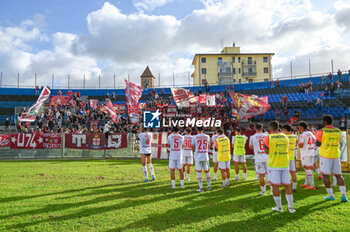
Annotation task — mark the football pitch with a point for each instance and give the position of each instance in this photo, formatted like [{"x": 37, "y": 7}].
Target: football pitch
[{"x": 97, "y": 195}]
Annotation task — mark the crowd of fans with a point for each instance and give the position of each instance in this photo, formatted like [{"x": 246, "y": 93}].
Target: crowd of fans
[{"x": 79, "y": 117}]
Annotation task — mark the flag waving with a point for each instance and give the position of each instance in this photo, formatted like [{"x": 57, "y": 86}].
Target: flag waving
[
  {"x": 109, "y": 110},
  {"x": 133, "y": 93},
  {"x": 249, "y": 106},
  {"x": 30, "y": 115},
  {"x": 183, "y": 97}
]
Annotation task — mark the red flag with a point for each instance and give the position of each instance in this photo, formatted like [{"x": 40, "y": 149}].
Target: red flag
[
  {"x": 60, "y": 100},
  {"x": 249, "y": 106},
  {"x": 93, "y": 103},
  {"x": 109, "y": 110},
  {"x": 30, "y": 115},
  {"x": 210, "y": 101},
  {"x": 182, "y": 97},
  {"x": 203, "y": 99},
  {"x": 133, "y": 93}
]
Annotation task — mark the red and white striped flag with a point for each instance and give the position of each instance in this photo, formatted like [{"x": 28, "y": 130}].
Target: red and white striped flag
[{"x": 133, "y": 93}]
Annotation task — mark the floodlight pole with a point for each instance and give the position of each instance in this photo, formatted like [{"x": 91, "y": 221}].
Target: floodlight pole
[{"x": 84, "y": 82}]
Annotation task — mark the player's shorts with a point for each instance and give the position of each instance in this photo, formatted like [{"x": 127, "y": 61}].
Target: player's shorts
[
  {"x": 187, "y": 160},
  {"x": 330, "y": 166},
  {"x": 224, "y": 165},
  {"x": 261, "y": 168},
  {"x": 147, "y": 154},
  {"x": 239, "y": 158},
  {"x": 277, "y": 177},
  {"x": 292, "y": 167},
  {"x": 307, "y": 161},
  {"x": 215, "y": 157},
  {"x": 175, "y": 164},
  {"x": 199, "y": 165}
]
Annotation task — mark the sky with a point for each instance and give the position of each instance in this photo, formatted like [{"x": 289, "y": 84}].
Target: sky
[{"x": 121, "y": 37}]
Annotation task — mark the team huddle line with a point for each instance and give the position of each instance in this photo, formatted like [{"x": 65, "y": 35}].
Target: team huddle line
[{"x": 275, "y": 155}]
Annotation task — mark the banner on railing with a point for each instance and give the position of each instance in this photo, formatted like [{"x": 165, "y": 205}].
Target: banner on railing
[
  {"x": 4, "y": 140},
  {"x": 26, "y": 141},
  {"x": 96, "y": 141},
  {"x": 52, "y": 141},
  {"x": 60, "y": 100}
]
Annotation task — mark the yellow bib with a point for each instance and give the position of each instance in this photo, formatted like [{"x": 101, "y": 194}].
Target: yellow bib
[
  {"x": 239, "y": 145},
  {"x": 224, "y": 149},
  {"x": 330, "y": 143},
  {"x": 278, "y": 151},
  {"x": 292, "y": 144}
]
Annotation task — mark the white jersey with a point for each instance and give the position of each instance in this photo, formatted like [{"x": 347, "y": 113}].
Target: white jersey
[
  {"x": 201, "y": 144},
  {"x": 257, "y": 141},
  {"x": 187, "y": 150},
  {"x": 175, "y": 142},
  {"x": 213, "y": 139},
  {"x": 309, "y": 140},
  {"x": 145, "y": 142}
]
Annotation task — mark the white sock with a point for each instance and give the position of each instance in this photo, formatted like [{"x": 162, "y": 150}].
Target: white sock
[
  {"x": 244, "y": 175},
  {"x": 215, "y": 175},
  {"x": 223, "y": 182},
  {"x": 342, "y": 190},
  {"x": 318, "y": 171},
  {"x": 173, "y": 183},
  {"x": 188, "y": 176},
  {"x": 311, "y": 181},
  {"x": 228, "y": 180},
  {"x": 278, "y": 201},
  {"x": 182, "y": 183},
  {"x": 200, "y": 181},
  {"x": 145, "y": 172},
  {"x": 330, "y": 191},
  {"x": 335, "y": 182},
  {"x": 295, "y": 184},
  {"x": 263, "y": 188},
  {"x": 151, "y": 169},
  {"x": 290, "y": 200},
  {"x": 208, "y": 179}
]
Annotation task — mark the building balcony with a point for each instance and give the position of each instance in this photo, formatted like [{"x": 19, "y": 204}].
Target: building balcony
[
  {"x": 249, "y": 74},
  {"x": 249, "y": 63},
  {"x": 224, "y": 74}
]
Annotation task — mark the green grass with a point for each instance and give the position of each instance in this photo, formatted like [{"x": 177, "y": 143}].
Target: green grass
[{"x": 110, "y": 196}]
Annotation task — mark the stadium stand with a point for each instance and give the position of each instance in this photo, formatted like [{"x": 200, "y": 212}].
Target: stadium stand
[{"x": 304, "y": 102}]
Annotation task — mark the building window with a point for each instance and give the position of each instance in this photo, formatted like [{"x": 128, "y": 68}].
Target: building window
[
  {"x": 204, "y": 60},
  {"x": 219, "y": 61},
  {"x": 233, "y": 59},
  {"x": 240, "y": 81},
  {"x": 250, "y": 80},
  {"x": 250, "y": 60},
  {"x": 204, "y": 71},
  {"x": 266, "y": 70},
  {"x": 265, "y": 59},
  {"x": 239, "y": 59},
  {"x": 266, "y": 79},
  {"x": 234, "y": 70},
  {"x": 239, "y": 70}
]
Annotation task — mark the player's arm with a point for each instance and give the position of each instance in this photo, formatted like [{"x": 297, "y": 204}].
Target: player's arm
[
  {"x": 251, "y": 143},
  {"x": 301, "y": 142},
  {"x": 216, "y": 145},
  {"x": 319, "y": 138},
  {"x": 266, "y": 145},
  {"x": 193, "y": 147}
]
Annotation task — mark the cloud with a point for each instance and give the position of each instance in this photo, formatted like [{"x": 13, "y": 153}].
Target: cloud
[
  {"x": 149, "y": 5},
  {"x": 124, "y": 44}
]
